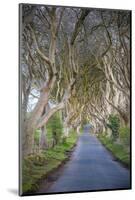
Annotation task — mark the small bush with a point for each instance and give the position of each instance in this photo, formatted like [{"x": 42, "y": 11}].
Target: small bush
[
  {"x": 124, "y": 134},
  {"x": 55, "y": 125},
  {"x": 114, "y": 124}
]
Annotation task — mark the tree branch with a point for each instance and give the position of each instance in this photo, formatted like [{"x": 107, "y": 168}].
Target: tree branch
[
  {"x": 44, "y": 119},
  {"x": 78, "y": 25},
  {"x": 44, "y": 57}
]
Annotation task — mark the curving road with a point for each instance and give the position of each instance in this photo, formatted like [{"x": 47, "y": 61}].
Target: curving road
[{"x": 91, "y": 167}]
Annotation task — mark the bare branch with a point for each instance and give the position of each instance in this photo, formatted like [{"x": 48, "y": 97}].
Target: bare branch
[
  {"x": 79, "y": 24},
  {"x": 46, "y": 59}
]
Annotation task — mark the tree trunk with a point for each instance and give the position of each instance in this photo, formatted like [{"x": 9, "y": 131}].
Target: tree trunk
[
  {"x": 30, "y": 125},
  {"x": 78, "y": 130},
  {"x": 66, "y": 131},
  {"x": 28, "y": 138},
  {"x": 43, "y": 139},
  {"x": 109, "y": 132},
  {"x": 122, "y": 114}
]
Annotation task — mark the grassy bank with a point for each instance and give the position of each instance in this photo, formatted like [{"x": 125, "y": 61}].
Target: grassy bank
[
  {"x": 35, "y": 167},
  {"x": 118, "y": 150}
]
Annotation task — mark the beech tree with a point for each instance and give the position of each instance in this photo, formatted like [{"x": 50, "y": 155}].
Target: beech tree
[
  {"x": 78, "y": 61},
  {"x": 48, "y": 75}
]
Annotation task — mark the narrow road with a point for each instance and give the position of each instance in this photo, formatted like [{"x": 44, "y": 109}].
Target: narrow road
[{"x": 91, "y": 167}]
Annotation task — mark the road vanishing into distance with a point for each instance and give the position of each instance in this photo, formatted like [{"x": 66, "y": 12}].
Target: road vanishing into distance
[{"x": 90, "y": 167}]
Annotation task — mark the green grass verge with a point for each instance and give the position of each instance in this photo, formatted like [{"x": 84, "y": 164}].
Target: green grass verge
[
  {"x": 118, "y": 150},
  {"x": 35, "y": 167}
]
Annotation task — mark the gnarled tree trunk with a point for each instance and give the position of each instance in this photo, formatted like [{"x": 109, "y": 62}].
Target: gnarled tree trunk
[{"x": 30, "y": 125}]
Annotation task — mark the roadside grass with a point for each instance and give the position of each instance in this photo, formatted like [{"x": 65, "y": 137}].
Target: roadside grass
[
  {"x": 118, "y": 150},
  {"x": 36, "y": 167}
]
